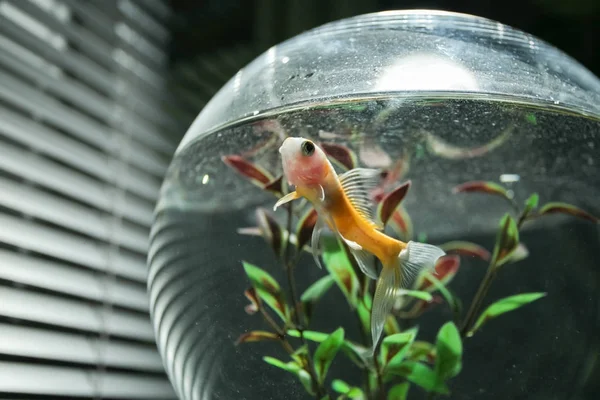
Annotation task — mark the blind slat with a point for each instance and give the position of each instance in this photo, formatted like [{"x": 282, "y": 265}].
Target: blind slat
[
  {"x": 141, "y": 156},
  {"x": 82, "y": 157},
  {"x": 54, "y": 310},
  {"x": 52, "y": 242},
  {"x": 71, "y": 183},
  {"x": 59, "y": 211},
  {"x": 93, "y": 45},
  {"x": 86, "y": 70},
  {"x": 159, "y": 8},
  {"x": 143, "y": 20},
  {"x": 25, "y": 96},
  {"x": 37, "y": 379},
  {"x": 48, "y": 141},
  {"x": 70, "y": 280},
  {"x": 45, "y": 344}
]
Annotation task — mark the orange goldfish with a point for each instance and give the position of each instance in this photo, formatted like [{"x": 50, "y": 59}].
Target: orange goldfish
[{"x": 343, "y": 204}]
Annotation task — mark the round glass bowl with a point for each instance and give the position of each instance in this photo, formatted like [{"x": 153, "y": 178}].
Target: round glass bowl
[{"x": 437, "y": 98}]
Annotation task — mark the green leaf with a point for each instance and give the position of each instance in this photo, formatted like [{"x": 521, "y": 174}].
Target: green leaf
[
  {"x": 449, "y": 352},
  {"x": 291, "y": 366},
  {"x": 312, "y": 295},
  {"x": 256, "y": 336},
  {"x": 354, "y": 351},
  {"x": 530, "y": 117},
  {"x": 399, "y": 392},
  {"x": 364, "y": 313},
  {"x": 301, "y": 355},
  {"x": 356, "y": 394},
  {"x": 452, "y": 301},
  {"x": 531, "y": 203},
  {"x": 306, "y": 381},
  {"x": 418, "y": 294},
  {"x": 421, "y": 375},
  {"x": 268, "y": 290},
  {"x": 421, "y": 351},
  {"x": 505, "y": 305},
  {"x": 309, "y": 335},
  {"x": 294, "y": 368},
  {"x": 339, "y": 266},
  {"x": 340, "y": 386},
  {"x": 391, "y": 325},
  {"x": 395, "y": 347},
  {"x": 507, "y": 240},
  {"x": 326, "y": 352},
  {"x": 317, "y": 289},
  {"x": 564, "y": 208},
  {"x": 345, "y": 389}
]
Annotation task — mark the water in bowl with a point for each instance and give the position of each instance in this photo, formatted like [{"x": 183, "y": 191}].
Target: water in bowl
[{"x": 205, "y": 228}]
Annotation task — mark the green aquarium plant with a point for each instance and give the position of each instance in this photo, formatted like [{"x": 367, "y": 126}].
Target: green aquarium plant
[{"x": 402, "y": 359}]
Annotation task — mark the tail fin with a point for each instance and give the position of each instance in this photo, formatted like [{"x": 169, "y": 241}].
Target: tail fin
[{"x": 414, "y": 259}]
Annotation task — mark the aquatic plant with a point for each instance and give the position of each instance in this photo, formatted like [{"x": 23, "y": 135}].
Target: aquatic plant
[{"x": 402, "y": 359}]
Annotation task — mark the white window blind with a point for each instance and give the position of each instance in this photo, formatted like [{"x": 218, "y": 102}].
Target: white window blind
[{"x": 88, "y": 123}]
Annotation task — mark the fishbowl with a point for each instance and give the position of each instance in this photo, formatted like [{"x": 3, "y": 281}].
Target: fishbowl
[{"x": 436, "y": 233}]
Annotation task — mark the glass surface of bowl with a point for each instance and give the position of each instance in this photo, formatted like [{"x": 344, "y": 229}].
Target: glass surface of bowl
[{"x": 433, "y": 97}]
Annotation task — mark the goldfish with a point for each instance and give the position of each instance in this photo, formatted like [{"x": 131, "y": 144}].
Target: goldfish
[{"x": 344, "y": 205}]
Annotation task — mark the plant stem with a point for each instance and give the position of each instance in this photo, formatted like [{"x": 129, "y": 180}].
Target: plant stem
[
  {"x": 284, "y": 342},
  {"x": 469, "y": 320},
  {"x": 365, "y": 341},
  {"x": 289, "y": 269},
  {"x": 380, "y": 391}
]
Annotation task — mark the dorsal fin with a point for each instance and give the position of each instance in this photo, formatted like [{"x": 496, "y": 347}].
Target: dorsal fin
[{"x": 358, "y": 184}]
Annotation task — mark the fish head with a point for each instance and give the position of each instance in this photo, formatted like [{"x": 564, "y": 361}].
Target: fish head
[{"x": 304, "y": 163}]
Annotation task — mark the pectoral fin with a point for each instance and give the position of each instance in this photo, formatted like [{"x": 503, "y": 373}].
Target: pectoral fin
[
  {"x": 286, "y": 199},
  {"x": 365, "y": 261},
  {"x": 315, "y": 240}
]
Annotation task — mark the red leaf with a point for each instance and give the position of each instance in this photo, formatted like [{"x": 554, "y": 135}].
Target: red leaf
[
  {"x": 342, "y": 154},
  {"x": 305, "y": 227},
  {"x": 466, "y": 249},
  {"x": 254, "y": 301},
  {"x": 275, "y": 186},
  {"x": 421, "y": 305},
  {"x": 445, "y": 269},
  {"x": 507, "y": 240},
  {"x": 271, "y": 231},
  {"x": 373, "y": 156},
  {"x": 390, "y": 202},
  {"x": 401, "y": 223},
  {"x": 483, "y": 187},
  {"x": 256, "y": 336},
  {"x": 255, "y": 174},
  {"x": 564, "y": 208},
  {"x": 444, "y": 149}
]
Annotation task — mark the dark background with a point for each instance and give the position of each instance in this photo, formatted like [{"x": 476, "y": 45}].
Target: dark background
[{"x": 204, "y": 26}]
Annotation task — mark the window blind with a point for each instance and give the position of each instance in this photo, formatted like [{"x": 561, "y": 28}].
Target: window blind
[{"x": 89, "y": 118}]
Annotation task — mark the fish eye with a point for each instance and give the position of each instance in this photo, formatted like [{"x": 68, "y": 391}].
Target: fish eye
[{"x": 308, "y": 148}]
